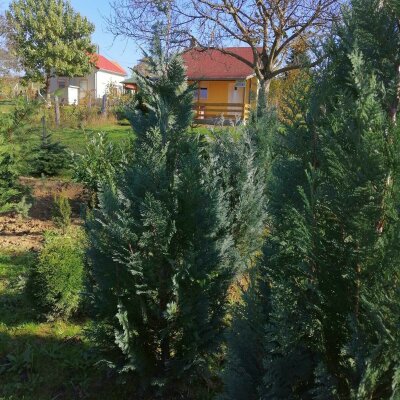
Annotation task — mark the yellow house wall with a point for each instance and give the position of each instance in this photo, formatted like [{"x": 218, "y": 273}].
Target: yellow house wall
[{"x": 218, "y": 92}]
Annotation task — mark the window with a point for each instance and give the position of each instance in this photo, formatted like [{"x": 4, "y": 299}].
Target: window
[
  {"x": 203, "y": 93},
  {"x": 62, "y": 84}
]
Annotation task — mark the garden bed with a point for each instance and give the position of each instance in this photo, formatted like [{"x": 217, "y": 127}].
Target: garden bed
[{"x": 27, "y": 233}]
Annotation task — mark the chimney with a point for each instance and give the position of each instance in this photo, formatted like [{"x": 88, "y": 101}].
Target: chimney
[{"x": 193, "y": 43}]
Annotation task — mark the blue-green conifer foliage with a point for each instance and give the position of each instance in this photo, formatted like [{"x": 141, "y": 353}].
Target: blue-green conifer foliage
[{"x": 167, "y": 241}]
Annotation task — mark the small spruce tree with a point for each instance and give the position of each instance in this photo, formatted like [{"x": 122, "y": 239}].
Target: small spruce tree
[
  {"x": 9, "y": 189},
  {"x": 48, "y": 157},
  {"x": 14, "y": 127}
]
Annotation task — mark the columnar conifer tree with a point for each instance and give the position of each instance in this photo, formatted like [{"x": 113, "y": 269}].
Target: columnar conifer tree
[
  {"x": 167, "y": 241},
  {"x": 328, "y": 286},
  {"x": 245, "y": 367}
]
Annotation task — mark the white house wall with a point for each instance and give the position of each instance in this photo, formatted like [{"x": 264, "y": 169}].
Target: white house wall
[
  {"x": 104, "y": 79},
  {"x": 87, "y": 84}
]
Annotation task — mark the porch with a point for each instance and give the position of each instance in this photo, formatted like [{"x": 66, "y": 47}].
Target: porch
[
  {"x": 225, "y": 101},
  {"x": 211, "y": 113}
]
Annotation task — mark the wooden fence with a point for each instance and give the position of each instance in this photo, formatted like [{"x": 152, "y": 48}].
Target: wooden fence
[{"x": 227, "y": 111}]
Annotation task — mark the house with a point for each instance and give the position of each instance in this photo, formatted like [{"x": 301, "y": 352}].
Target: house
[
  {"x": 226, "y": 86},
  {"x": 105, "y": 74},
  {"x": 130, "y": 85}
]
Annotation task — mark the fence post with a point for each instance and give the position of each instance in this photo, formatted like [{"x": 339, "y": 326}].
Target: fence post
[
  {"x": 57, "y": 110},
  {"x": 104, "y": 106}
]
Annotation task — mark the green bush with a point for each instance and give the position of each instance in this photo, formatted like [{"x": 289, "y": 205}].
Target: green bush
[
  {"x": 78, "y": 116},
  {"x": 61, "y": 213},
  {"x": 100, "y": 164},
  {"x": 48, "y": 157},
  {"x": 9, "y": 188},
  {"x": 14, "y": 128},
  {"x": 57, "y": 279}
]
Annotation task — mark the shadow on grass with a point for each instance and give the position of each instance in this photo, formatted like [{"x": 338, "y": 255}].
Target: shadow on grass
[
  {"x": 16, "y": 259},
  {"x": 45, "y": 361},
  {"x": 44, "y": 368},
  {"x": 47, "y": 368},
  {"x": 15, "y": 308}
]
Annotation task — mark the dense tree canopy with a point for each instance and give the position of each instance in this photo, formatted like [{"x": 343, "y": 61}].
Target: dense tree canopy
[{"x": 50, "y": 39}]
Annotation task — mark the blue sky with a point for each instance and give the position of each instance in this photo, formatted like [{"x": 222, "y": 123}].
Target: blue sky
[{"x": 123, "y": 51}]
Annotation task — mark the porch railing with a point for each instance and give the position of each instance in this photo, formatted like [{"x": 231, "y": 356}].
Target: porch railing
[{"x": 227, "y": 111}]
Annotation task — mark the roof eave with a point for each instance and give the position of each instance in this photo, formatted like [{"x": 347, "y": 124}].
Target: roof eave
[
  {"x": 112, "y": 72},
  {"x": 230, "y": 78},
  {"x": 251, "y": 76}
]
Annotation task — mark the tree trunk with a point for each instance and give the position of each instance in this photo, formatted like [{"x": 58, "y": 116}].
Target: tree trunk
[
  {"x": 264, "y": 86},
  {"x": 47, "y": 86},
  {"x": 57, "y": 110}
]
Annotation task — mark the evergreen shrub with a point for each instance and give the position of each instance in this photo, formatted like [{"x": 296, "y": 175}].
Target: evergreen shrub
[
  {"x": 57, "y": 279},
  {"x": 99, "y": 164},
  {"x": 61, "y": 213},
  {"x": 9, "y": 188},
  {"x": 14, "y": 128},
  {"x": 48, "y": 157}
]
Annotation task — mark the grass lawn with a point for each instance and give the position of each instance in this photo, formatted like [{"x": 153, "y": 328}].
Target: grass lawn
[
  {"x": 76, "y": 139},
  {"x": 43, "y": 360}
]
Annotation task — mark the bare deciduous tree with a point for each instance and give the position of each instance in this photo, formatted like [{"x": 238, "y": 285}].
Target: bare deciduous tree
[{"x": 270, "y": 27}]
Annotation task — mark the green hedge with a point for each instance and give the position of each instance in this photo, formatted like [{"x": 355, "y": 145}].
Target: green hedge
[{"x": 57, "y": 279}]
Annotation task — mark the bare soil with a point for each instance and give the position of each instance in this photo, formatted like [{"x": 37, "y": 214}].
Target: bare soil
[{"x": 27, "y": 234}]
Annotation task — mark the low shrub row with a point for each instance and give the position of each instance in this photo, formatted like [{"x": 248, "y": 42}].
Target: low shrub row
[{"x": 56, "y": 281}]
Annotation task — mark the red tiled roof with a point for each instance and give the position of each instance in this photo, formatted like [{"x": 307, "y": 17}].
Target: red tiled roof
[
  {"x": 105, "y": 64},
  {"x": 213, "y": 64}
]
